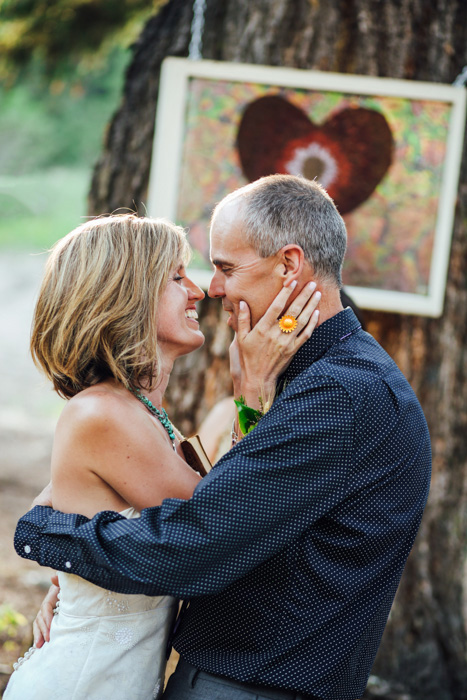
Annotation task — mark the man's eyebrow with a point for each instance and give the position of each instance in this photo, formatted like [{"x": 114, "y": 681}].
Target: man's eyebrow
[{"x": 218, "y": 262}]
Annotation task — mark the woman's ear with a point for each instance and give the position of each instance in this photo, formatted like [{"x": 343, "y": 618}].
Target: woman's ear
[{"x": 291, "y": 259}]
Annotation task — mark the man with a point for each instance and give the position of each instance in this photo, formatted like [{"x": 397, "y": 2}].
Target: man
[{"x": 291, "y": 549}]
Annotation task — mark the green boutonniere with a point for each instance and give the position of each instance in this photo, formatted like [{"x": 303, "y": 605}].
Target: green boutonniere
[{"x": 248, "y": 418}]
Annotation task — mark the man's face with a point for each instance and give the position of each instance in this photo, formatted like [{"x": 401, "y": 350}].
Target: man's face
[{"x": 240, "y": 273}]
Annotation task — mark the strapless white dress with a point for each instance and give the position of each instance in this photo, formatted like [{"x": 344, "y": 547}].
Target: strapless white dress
[{"x": 103, "y": 646}]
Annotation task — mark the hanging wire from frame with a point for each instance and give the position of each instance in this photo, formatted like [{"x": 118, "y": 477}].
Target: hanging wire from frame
[{"x": 197, "y": 27}]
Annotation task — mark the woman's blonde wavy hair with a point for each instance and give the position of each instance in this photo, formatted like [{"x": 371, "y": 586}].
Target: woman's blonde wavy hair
[{"x": 96, "y": 315}]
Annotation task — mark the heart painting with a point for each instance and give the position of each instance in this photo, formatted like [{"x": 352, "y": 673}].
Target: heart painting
[{"x": 349, "y": 154}]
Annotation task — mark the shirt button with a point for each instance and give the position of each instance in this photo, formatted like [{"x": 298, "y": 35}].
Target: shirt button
[
  {"x": 68, "y": 564},
  {"x": 27, "y": 549}
]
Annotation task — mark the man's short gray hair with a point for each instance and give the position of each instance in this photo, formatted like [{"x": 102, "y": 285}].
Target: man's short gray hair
[{"x": 282, "y": 209}]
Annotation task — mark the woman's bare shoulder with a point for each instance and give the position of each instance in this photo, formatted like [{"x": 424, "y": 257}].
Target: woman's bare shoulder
[
  {"x": 103, "y": 427},
  {"x": 112, "y": 437},
  {"x": 98, "y": 409}
]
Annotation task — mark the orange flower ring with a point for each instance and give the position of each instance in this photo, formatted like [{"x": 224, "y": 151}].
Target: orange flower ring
[{"x": 287, "y": 324}]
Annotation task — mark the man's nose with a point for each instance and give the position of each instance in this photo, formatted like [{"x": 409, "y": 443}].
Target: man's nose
[{"x": 216, "y": 288}]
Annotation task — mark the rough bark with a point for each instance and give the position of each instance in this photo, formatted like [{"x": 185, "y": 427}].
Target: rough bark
[{"x": 424, "y": 646}]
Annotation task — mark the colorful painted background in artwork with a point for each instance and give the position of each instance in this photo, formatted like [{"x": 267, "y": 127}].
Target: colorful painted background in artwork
[{"x": 393, "y": 150}]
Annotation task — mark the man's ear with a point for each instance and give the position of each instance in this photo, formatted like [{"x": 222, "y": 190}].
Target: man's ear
[{"x": 291, "y": 260}]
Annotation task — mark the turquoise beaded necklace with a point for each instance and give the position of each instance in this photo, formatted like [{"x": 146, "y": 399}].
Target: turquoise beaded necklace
[{"x": 161, "y": 415}]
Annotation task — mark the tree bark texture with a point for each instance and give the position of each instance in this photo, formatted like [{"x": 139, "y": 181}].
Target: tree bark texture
[{"x": 424, "y": 646}]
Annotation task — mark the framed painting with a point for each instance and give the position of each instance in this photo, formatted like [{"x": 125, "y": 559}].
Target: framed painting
[{"x": 387, "y": 151}]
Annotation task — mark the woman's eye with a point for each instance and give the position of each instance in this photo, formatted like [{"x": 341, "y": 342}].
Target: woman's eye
[{"x": 177, "y": 278}]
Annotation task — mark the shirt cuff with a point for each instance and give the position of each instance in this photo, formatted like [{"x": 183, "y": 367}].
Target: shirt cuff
[
  {"x": 27, "y": 541},
  {"x": 30, "y": 544}
]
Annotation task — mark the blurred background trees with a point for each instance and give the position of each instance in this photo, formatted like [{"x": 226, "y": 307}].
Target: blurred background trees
[
  {"x": 66, "y": 35},
  {"x": 423, "y": 653},
  {"x": 62, "y": 65}
]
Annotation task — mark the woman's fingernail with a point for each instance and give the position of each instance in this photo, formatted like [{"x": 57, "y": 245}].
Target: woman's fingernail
[
  {"x": 312, "y": 286},
  {"x": 293, "y": 284},
  {"x": 242, "y": 305},
  {"x": 317, "y": 296}
]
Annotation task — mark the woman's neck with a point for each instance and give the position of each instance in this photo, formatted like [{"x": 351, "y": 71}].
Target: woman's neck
[{"x": 156, "y": 395}]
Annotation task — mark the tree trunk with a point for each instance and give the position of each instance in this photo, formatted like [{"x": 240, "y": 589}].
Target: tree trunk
[{"x": 424, "y": 646}]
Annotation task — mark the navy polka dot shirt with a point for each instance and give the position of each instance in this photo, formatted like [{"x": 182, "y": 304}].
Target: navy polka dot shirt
[{"x": 291, "y": 549}]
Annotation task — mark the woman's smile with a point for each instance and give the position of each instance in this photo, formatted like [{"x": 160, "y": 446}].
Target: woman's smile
[{"x": 191, "y": 314}]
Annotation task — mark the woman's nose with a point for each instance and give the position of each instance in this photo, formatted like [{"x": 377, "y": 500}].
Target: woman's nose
[{"x": 195, "y": 292}]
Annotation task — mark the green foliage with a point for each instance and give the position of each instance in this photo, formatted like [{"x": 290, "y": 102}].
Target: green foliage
[
  {"x": 40, "y": 208},
  {"x": 61, "y": 73},
  {"x": 14, "y": 631},
  {"x": 49, "y": 138},
  {"x": 43, "y": 126},
  {"x": 10, "y": 620},
  {"x": 66, "y": 33}
]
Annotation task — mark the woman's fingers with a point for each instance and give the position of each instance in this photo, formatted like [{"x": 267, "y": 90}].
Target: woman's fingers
[
  {"x": 37, "y": 634},
  {"x": 305, "y": 315},
  {"x": 44, "y": 498},
  {"x": 41, "y": 626},
  {"x": 305, "y": 303},
  {"x": 235, "y": 366},
  {"x": 308, "y": 329},
  {"x": 280, "y": 306},
  {"x": 265, "y": 351},
  {"x": 38, "y": 629},
  {"x": 303, "y": 309},
  {"x": 43, "y": 621},
  {"x": 243, "y": 320}
]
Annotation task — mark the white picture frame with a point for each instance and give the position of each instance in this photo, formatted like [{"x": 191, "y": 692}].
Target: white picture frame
[{"x": 178, "y": 168}]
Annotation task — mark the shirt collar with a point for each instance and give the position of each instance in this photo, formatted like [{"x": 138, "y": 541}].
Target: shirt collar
[{"x": 327, "y": 334}]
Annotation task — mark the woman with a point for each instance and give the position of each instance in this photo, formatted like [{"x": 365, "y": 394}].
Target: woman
[{"x": 114, "y": 312}]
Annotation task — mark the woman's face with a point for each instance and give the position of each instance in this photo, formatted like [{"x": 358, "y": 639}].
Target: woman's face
[{"x": 178, "y": 331}]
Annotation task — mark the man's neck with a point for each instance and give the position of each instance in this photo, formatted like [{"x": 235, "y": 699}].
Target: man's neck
[{"x": 330, "y": 303}]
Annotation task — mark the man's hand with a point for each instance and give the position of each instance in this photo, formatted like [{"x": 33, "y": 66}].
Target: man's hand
[
  {"x": 43, "y": 621},
  {"x": 44, "y": 498}
]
